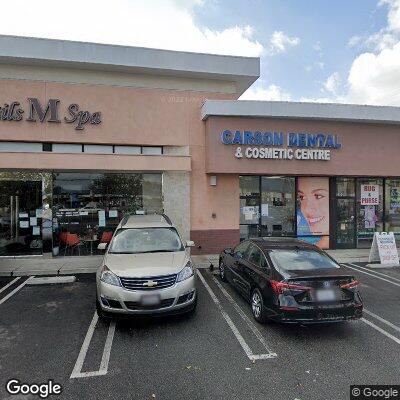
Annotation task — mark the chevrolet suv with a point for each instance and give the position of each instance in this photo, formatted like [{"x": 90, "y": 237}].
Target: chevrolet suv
[{"x": 146, "y": 270}]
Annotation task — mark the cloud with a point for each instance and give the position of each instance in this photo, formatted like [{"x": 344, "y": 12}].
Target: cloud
[
  {"x": 375, "y": 78},
  {"x": 317, "y": 46},
  {"x": 354, "y": 41},
  {"x": 280, "y": 42},
  {"x": 271, "y": 93},
  {"x": 332, "y": 83},
  {"x": 374, "y": 75},
  {"x": 166, "y": 24}
]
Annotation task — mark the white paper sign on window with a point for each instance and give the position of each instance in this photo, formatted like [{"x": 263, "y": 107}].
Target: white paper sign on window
[{"x": 369, "y": 195}]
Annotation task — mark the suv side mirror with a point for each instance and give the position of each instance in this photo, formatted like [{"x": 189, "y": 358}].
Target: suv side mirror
[
  {"x": 190, "y": 243},
  {"x": 229, "y": 251},
  {"x": 238, "y": 255},
  {"x": 102, "y": 246}
]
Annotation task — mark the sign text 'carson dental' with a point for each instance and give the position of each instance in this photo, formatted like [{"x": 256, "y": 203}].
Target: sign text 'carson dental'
[{"x": 277, "y": 145}]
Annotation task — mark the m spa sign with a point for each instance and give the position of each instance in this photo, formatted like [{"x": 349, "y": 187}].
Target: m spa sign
[
  {"x": 36, "y": 112},
  {"x": 280, "y": 145}
]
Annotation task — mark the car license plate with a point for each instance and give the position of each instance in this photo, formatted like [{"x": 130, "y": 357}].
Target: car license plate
[
  {"x": 325, "y": 295},
  {"x": 150, "y": 300}
]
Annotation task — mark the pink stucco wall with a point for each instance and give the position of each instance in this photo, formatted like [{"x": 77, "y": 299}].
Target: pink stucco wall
[
  {"x": 130, "y": 116},
  {"x": 367, "y": 149}
]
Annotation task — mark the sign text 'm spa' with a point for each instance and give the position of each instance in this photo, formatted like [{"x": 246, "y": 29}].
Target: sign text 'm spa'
[
  {"x": 277, "y": 139},
  {"x": 51, "y": 113}
]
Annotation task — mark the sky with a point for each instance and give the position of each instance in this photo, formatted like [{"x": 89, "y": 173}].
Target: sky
[{"x": 345, "y": 51}]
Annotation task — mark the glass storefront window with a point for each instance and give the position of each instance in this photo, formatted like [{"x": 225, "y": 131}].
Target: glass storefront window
[
  {"x": 313, "y": 210},
  {"x": 25, "y": 213},
  {"x": 369, "y": 210},
  {"x": 345, "y": 187},
  {"x": 392, "y": 207},
  {"x": 271, "y": 212},
  {"x": 249, "y": 186},
  {"x": 277, "y": 206},
  {"x": 87, "y": 207}
]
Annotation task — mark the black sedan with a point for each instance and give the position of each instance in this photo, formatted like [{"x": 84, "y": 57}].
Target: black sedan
[{"x": 289, "y": 280}]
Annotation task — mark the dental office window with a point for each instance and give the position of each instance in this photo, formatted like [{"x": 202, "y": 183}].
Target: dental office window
[
  {"x": 313, "y": 210},
  {"x": 278, "y": 204}
]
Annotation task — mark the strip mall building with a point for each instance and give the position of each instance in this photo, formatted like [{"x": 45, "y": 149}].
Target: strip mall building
[{"x": 90, "y": 132}]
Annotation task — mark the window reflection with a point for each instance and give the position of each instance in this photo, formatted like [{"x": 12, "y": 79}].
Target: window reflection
[{"x": 87, "y": 207}]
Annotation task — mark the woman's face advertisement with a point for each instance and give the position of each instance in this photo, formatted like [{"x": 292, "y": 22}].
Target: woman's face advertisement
[{"x": 313, "y": 210}]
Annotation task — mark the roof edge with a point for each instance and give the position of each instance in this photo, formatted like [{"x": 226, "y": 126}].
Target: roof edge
[{"x": 300, "y": 110}]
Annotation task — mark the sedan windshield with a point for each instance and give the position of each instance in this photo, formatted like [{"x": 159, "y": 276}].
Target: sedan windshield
[
  {"x": 146, "y": 240},
  {"x": 301, "y": 260}
]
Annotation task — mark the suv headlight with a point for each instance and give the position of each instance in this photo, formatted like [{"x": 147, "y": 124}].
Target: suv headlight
[
  {"x": 109, "y": 277},
  {"x": 186, "y": 273}
]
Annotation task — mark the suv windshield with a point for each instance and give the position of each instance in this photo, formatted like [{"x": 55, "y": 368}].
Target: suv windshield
[
  {"x": 301, "y": 260},
  {"x": 146, "y": 240}
]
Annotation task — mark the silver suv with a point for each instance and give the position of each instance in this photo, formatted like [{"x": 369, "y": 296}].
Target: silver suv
[{"x": 146, "y": 270}]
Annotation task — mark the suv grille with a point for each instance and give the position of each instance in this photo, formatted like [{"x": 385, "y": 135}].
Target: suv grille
[
  {"x": 149, "y": 283},
  {"x": 135, "y": 305}
]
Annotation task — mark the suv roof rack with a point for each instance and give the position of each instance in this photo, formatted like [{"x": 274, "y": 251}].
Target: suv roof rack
[{"x": 125, "y": 219}]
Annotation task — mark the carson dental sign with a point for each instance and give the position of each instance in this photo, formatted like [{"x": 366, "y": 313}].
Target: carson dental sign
[
  {"x": 49, "y": 113},
  {"x": 280, "y": 146}
]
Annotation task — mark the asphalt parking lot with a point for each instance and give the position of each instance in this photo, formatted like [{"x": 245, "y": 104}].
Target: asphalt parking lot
[{"x": 52, "y": 332}]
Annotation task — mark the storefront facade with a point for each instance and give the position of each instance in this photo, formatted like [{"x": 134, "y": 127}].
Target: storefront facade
[
  {"x": 327, "y": 174},
  {"x": 101, "y": 131}
]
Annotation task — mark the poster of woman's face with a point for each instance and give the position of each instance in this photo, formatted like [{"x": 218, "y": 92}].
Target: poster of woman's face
[{"x": 313, "y": 210}]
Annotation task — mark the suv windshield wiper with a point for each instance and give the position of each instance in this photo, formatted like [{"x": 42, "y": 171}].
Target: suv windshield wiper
[
  {"x": 159, "y": 251},
  {"x": 142, "y": 252}
]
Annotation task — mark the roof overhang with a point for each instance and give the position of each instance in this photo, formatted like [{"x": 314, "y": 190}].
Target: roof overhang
[
  {"x": 61, "y": 53},
  {"x": 297, "y": 110}
]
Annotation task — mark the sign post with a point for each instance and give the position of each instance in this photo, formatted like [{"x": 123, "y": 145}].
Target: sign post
[{"x": 384, "y": 249}]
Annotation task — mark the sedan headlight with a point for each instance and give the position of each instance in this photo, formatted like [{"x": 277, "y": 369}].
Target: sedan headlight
[
  {"x": 186, "y": 273},
  {"x": 109, "y": 277}
]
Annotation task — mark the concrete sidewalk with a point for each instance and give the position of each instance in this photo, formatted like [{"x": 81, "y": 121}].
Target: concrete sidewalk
[{"x": 89, "y": 264}]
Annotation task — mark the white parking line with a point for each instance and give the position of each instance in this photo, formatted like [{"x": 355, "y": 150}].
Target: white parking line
[
  {"x": 239, "y": 337},
  {"x": 9, "y": 284},
  {"x": 387, "y": 334},
  {"x": 384, "y": 321},
  {"x": 375, "y": 272},
  {"x": 375, "y": 276},
  {"x": 17, "y": 289},
  {"x": 250, "y": 324},
  {"x": 77, "y": 371}
]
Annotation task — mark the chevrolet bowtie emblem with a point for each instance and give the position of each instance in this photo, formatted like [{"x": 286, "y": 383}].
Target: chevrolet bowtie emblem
[{"x": 150, "y": 284}]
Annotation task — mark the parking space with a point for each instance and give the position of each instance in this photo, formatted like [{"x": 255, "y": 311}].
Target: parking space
[{"x": 51, "y": 332}]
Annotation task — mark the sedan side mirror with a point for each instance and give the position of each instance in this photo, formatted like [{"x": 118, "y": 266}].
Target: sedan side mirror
[
  {"x": 238, "y": 255},
  {"x": 190, "y": 243},
  {"x": 102, "y": 246},
  {"x": 229, "y": 250}
]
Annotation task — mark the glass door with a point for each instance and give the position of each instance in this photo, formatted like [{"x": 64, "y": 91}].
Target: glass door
[
  {"x": 343, "y": 220},
  {"x": 345, "y": 223},
  {"x": 20, "y": 218}
]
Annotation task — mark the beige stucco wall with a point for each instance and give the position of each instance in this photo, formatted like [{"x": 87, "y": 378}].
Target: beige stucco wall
[{"x": 176, "y": 196}]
